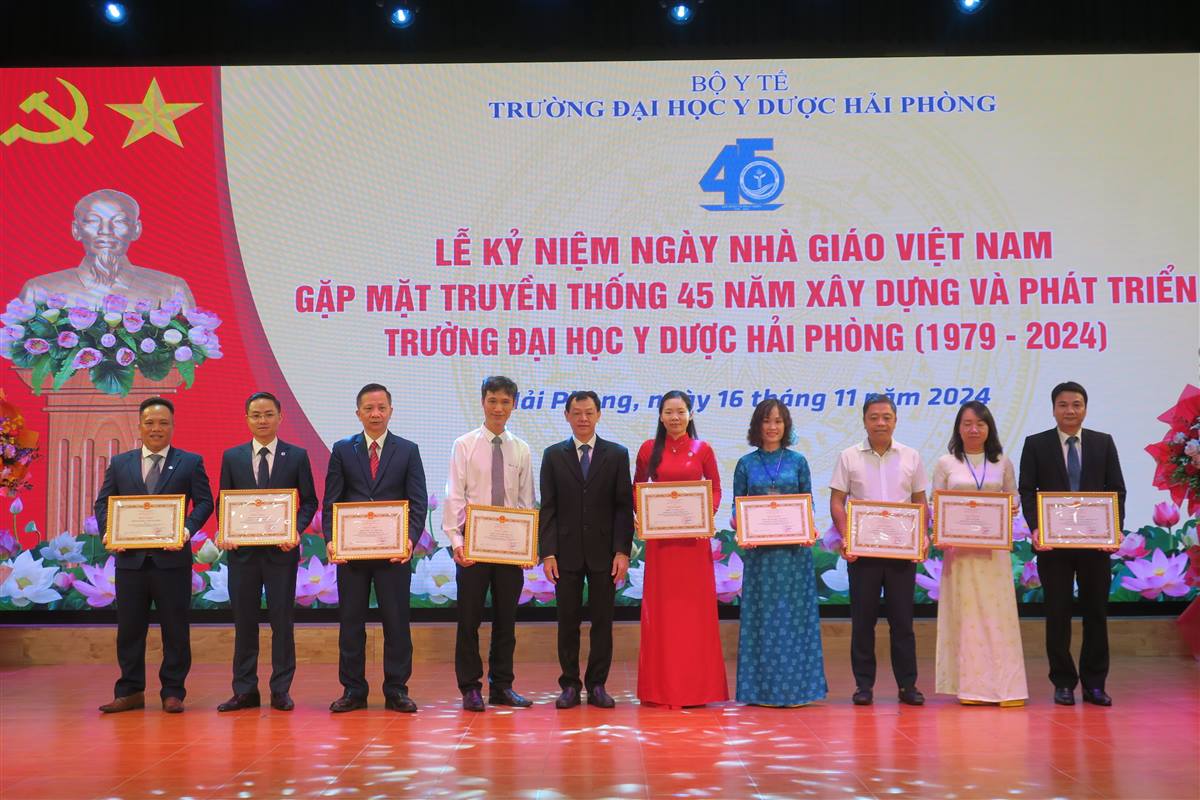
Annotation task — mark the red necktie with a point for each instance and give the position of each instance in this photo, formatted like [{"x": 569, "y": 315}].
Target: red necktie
[{"x": 374, "y": 459}]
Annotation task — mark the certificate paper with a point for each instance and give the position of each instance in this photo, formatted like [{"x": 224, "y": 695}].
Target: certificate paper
[
  {"x": 497, "y": 535},
  {"x": 259, "y": 517},
  {"x": 775, "y": 519},
  {"x": 370, "y": 530},
  {"x": 674, "y": 510},
  {"x": 886, "y": 530},
  {"x": 1078, "y": 519},
  {"x": 145, "y": 520},
  {"x": 972, "y": 519}
]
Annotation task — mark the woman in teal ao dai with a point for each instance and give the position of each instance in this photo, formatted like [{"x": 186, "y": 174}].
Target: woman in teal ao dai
[{"x": 780, "y": 662}]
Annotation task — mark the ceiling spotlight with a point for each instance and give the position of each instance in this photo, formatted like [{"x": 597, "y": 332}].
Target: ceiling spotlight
[
  {"x": 115, "y": 13},
  {"x": 402, "y": 16},
  {"x": 969, "y": 6},
  {"x": 681, "y": 13}
]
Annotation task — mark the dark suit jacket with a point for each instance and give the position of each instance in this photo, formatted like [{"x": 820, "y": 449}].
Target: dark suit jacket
[
  {"x": 182, "y": 473},
  {"x": 585, "y": 522},
  {"x": 1044, "y": 469},
  {"x": 290, "y": 470},
  {"x": 401, "y": 476}
]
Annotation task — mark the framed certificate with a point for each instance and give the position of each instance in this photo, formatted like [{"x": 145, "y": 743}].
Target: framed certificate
[
  {"x": 145, "y": 520},
  {"x": 886, "y": 530},
  {"x": 259, "y": 516},
  {"x": 972, "y": 519},
  {"x": 1078, "y": 519},
  {"x": 497, "y": 535},
  {"x": 674, "y": 510},
  {"x": 370, "y": 530},
  {"x": 775, "y": 519}
]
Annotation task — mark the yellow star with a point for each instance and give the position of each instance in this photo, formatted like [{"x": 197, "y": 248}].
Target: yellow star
[{"x": 152, "y": 115}]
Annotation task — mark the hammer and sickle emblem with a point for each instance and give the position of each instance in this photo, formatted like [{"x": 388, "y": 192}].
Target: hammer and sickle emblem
[{"x": 68, "y": 128}]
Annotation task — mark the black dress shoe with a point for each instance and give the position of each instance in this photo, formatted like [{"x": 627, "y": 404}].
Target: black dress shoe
[
  {"x": 568, "y": 699},
  {"x": 173, "y": 705},
  {"x": 912, "y": 697},
  {"x": 863, "y": 697},
  {"x": 282, "y": 701},
  {"x": 507, "y": 697},
  {"x": 599, "y": 698},
  {"x": 400, "y": 702},
  {"x": 1096, "y": 697},
  {"x": 473, "y": 701},
  {"x": 1064, "y": 696},
  {"x": 240, "y": 701},
  {"x": 347, "y": 702}
]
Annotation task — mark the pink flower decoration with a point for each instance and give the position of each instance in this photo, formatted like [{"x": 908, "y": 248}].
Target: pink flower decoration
[
  {"x": 86, "y": 358},
  {"x": 125, "y": 356},
  {"x": 9, "y": 546},
  {"x": 68, "y": 339},
  {"x": 114, "y": 302},
  {"x": 1029, "y": 575},
  {"x": 133, "y": 321},
  {"x": 831, "y": 540},
  {"x": 37, "y": 346},
  {"x": 1132, "y": 546},
  {"x": 81, "y": 318},
  {"x": 715, "y": 546},
  {"x": 728, "y": 578},
  {"x": 1020, "y": 529},
  {"x": 536, "y": 587},
  {"x": 197, "y": 583},
  {"x": 425, "y": 544},
  {"x": 100, "y": 588},
  {"x": 315, "y": 582},
  {"x": 1160, "y": 574},
  {"x": 1166, "y": 514},
  {"x": 931, "y": 582}
]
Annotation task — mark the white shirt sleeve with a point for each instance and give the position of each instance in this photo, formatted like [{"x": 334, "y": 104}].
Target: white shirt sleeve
[
  {"x": 454, "y": 510},
  {"x": 841, "y": 474}
]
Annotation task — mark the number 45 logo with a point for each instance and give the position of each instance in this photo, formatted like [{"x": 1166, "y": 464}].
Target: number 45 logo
[{"x": 743, "y": 175}]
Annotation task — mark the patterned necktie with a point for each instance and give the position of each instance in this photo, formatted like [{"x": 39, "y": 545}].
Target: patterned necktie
[
  {"x": 155, "y": 473},
  {"x": 1074, "y": 470},
  {"x": 585, "y": 459},
  {"x": 497, "y": 472},
  {"x": 374, "y": 459},
  {"x": 264, "y": 472}
]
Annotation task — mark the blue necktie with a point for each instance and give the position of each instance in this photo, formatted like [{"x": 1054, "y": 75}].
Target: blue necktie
[
  {"x": 585, "y": 460},
  {"x": 264, "y": 471},
  {"x": 1074, "y": 470},
  {"x": 155, "y": 473}
]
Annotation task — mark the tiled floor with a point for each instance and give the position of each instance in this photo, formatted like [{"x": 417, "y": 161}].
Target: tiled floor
[{"x": 54, "y": 744}]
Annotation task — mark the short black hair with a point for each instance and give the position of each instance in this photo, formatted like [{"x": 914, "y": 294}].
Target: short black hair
[
  {"x": 754, "y": 435},
  {"x": 581, "y": 395},
  {"x": 372, "y": 387},
  {"x": 1067, "y": 386},
  {"x": 876, "y": 397},
  {"x": 498, "y": 383},
  {"x": 263, "y": 396},
  {"x": 156, "y": 401}
]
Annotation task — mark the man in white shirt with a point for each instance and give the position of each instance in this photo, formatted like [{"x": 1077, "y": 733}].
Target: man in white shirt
[
  {"x": 880, "y": 469},
  {"x": 488, "y": 466}
]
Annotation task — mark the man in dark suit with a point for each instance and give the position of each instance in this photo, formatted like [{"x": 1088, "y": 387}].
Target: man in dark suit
[
  {"x": 267, "y": 462},
  {"x": 375, "y": 465},
  {"x": 1069, "y": 458},
  {"x": 161, "y": 575},
  {"x": 585, "y": 533}
]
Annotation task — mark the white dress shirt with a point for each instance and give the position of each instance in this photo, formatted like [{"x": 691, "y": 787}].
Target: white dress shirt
[
  {"x": 147, "y": 464},
  {"x": 470, "y": 478},
  {"x": 255, "y": 446},
  {"x": 893, "y": 477},
  {"x": 590, "y": 443},
  {"x": 1062, "y": 440}
]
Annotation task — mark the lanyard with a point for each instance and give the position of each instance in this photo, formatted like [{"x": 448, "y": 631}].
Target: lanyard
[{"x": 980, "y": 478}]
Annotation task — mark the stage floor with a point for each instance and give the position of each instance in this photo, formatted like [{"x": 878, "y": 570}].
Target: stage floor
[{"x": 54, "y": 744}]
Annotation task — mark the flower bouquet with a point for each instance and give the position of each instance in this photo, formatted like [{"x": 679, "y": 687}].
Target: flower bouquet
[{"x": 112, "y": 342}]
